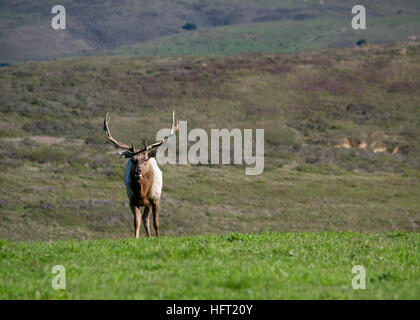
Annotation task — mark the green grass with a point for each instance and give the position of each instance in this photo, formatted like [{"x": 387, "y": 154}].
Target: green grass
[
  {"x": 275, "y": 37},
  {"x": 232, "y": 266}
]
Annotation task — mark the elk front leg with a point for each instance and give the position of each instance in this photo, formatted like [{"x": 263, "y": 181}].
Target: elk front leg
[
  {"x": 137, "y": 220},
  {"x": 155, "y": 209},
  {"x": 146, "y": 221}
]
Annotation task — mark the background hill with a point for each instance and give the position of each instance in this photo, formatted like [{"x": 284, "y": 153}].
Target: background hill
[
  {"x": 224, "y": 27},
  {"x": 341, "y": 142}
]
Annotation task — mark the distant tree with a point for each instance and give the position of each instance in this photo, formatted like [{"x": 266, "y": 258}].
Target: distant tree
[
  {"x": 189, "y": 26},
  {"x": 361, "y": 42}
]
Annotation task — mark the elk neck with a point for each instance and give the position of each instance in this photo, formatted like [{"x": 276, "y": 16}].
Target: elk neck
[{"x": 142, "y": 186}]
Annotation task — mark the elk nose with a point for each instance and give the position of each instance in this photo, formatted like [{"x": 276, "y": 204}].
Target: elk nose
[{"x": 137, "y": 172}]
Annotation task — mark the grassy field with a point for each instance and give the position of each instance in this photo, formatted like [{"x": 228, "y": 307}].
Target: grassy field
[{"x": 232, "y": 266}]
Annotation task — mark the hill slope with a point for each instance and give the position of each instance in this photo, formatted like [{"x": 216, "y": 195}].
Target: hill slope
[
  {"x": 341, "y": 142},
  {"x": 223, "y": 27},
  {"x": 276, "y": 36}
]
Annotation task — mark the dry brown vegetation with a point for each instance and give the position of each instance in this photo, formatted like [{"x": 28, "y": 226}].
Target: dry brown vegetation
[{"x": 59, "y": 179}]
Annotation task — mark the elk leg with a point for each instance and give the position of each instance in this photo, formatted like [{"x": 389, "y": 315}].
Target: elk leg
[
  {"x": 156, "y": 218},
  {"x": 137, "y": 220},
  {"x": 146, "y": 221}
]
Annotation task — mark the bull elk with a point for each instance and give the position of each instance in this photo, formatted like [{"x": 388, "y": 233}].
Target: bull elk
[{"x": 142, "y": 178}]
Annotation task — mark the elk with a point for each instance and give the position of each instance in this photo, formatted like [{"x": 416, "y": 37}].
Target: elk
[{"x": 142, "y": 178}]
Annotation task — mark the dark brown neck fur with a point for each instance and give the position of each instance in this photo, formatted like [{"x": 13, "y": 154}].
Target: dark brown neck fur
[{"x": 142, "y": 188}]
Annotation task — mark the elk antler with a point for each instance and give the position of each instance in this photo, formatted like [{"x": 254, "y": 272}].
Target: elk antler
[
  {"x": 174, "y": 128},
  {"x": 130, "y": 149}
]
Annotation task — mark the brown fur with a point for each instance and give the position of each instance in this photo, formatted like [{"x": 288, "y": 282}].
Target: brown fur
[
  {"x": 140, "y": 186},
  {"x": 141, "y": 194}
]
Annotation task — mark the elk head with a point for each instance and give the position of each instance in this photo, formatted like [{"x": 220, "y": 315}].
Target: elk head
[{"x": 139, "y": 157}]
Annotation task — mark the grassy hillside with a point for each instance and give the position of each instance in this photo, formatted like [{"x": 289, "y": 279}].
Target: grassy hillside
[
  {"x": 341, "y": 142},
  {"x": 232, "y": 266},
  {"x": 223, "y": 26},
  {"x": 277, "y": 36}
]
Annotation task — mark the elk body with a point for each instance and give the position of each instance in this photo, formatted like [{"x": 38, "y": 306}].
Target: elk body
[{"x": 142, "y": 178}]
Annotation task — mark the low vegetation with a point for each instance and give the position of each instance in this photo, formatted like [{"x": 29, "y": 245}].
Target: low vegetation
[{"x": 341, "y": 142}]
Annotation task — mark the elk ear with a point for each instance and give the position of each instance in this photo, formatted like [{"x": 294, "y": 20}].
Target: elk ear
[
  {"x": 125, "y": 154},
  {"x": 152, "y": 153}
]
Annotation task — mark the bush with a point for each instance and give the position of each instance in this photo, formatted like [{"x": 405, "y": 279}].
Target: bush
[
  {"x": 361, "y": 42},
  {"x": 189, "y": 26}
]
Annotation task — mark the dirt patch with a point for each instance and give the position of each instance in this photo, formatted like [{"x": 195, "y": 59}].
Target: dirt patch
[
  {"x": 403, "y": 87},
  {"x": 45, "y": 140},
  {"x": 375, "y": 146},
  {"x": 348, "y": 143}
]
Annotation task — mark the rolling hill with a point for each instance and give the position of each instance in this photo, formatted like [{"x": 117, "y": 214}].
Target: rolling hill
[
  {"x": 341, "y": 142},
  {"x": 223, "y": 27}
]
